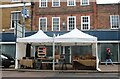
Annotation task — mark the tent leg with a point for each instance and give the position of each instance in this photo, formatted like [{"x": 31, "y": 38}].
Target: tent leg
[{"x": 97, "y": 59}]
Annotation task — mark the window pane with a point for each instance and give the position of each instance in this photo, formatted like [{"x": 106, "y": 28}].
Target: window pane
[
  {"x": 43, "y": 3},
  {"x": 56, "y": 24},
  {"x": 15, "y": 18},
  {"x": 9, "y": 49},
  {"x": 71, "y": 22},
  {"x": 114, "y": 51},
  {"x": 85, "y": 2},
  {"x": 85, "y": 23},
  {"x": 114, "y": 21},
  {"x": 81, "y": 50},
  {"x": 56, "y": 3},
  {"x": 43, "y": 24},
  {"x": 71, "y": 2}
]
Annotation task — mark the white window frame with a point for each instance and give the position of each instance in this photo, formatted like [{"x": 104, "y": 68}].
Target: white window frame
[
  {"x": 59, "y": 23},
  {"x": 85, "y": 22},
  {"x": 71, "y": 5},
  {"x": 12, "y": 19},
  {"x": 53, "y": 3},
  {"x": 46, "y": 23},
  {"x": 111, "y": 24},
  {"x": 41, "y": 3},
  {"x": 68, "y": 28},
  {"x": 81, "y": 3},
  {"x": 15, "y": 0}
]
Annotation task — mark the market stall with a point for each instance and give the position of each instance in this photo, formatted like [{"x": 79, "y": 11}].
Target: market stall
[
  {"x": 39, "y": 38},
  {"x": 74, "y": 37},
  {"x": 77, "y": 37}
]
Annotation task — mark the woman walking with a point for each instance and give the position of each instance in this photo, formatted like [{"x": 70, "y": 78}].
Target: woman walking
[{"x": 108, "y": 56}]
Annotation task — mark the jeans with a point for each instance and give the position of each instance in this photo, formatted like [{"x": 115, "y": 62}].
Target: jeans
[{"x": 108, "y": 60}]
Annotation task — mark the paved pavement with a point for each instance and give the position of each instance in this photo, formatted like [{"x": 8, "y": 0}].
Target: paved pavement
[
  {"x": 107, "y": 72},
  {"x": 109, "y": 68},
  {"x": 55, "y": 74}
]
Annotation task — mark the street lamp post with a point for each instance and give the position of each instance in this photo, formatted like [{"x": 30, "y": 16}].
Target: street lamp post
[{"x": 32, "y": 7}]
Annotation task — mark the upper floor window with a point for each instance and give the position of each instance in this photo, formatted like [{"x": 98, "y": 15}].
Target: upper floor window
[
  {"x": 55, "y": 23},
  {"x": 71, "y": 23},
  {"x": 84, "y": 2},
  {"x": 85, "y": 22},
  {"x": 43, "y": 23},
  {"x": 71, "y": 2},
  {"x": 43, "y": 3},
  {"x": 114, "y": 21},
  {"x": 15, "y": 18},
  {"x": 55, "y": 3}
]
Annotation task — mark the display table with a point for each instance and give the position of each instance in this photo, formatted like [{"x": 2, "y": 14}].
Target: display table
[
  {"x": 44, "y": 63},
  {"x": 84, "y": 64},
  {"x": 26, "y": 62}
]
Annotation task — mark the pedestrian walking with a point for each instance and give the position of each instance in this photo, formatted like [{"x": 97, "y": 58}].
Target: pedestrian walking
[{"x": 108, "y": 56}]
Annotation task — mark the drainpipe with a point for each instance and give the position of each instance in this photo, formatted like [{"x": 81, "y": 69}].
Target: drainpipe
[{"x": 95, "y": 14}]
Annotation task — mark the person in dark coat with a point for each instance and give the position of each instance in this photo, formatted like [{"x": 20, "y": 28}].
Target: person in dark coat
[{"x": 108, "y": 56}]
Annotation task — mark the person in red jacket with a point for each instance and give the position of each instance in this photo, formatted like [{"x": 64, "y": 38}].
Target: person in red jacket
[{"x": 108, "y": 56}]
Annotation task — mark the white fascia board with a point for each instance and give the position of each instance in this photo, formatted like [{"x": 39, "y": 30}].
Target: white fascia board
[
  {"x": 14, "y": 5},
  {"x": 7, "y": 42},
  {"x": 107, "y": 1},
  {"x": 108, "y": 41}
]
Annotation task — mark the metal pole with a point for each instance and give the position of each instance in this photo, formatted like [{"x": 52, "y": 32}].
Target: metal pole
[
  {"x": 16, "y": 26},
  {"x": 118, "y": 53},
  {"x": 32, "y": 7},
  {"x": 53, "y": 52},
  {"x": 23, "y": 24}
]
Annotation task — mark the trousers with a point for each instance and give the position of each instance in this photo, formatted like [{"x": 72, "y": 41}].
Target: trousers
[{"x": 108, "y": 61}]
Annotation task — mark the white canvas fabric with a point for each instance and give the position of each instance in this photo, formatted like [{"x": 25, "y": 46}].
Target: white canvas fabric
[
  {"x": 40, "y": 37},
  {"x": 75, "y": 36}
]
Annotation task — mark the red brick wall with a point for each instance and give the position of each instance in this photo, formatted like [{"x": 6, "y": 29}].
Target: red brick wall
[
  {"x": 63, "y": 12},
  {"x": 103, "y": 15}
]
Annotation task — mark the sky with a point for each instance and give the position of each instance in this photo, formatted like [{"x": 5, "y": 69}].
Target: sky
[{"x": 107, "y": 1}]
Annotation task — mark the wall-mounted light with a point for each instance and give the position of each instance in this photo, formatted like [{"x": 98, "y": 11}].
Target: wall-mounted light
[{"x": 63, "y": 23}]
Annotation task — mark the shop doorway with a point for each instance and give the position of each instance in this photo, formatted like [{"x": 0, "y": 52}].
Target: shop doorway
[{"x": 68, "y": 54}]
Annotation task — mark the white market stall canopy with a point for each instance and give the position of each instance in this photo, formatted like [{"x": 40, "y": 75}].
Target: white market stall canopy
[
  {"x": 75, "y": 36},
  {"x": 39, "y": 37},
  {"x": 72, "y": 37}
]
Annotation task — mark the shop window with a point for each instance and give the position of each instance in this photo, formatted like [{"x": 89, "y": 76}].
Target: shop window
[{"x": 114, "y": 51}]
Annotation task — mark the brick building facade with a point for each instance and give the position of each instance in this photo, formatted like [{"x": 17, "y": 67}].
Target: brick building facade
[
  {"x": 11, "y": 12},
  {"x": 100, "y": 20},
  {"x": 104, "y": 13},
  {"x": 65, "y": 12},
  {"x": 103, "y": 20},
  {"x": 98, "y": 15}
]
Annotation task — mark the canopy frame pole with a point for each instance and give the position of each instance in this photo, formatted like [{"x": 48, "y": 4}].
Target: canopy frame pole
[
  {"x": 97, "y": 59},
  {"x": 53, "y": 52}
]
